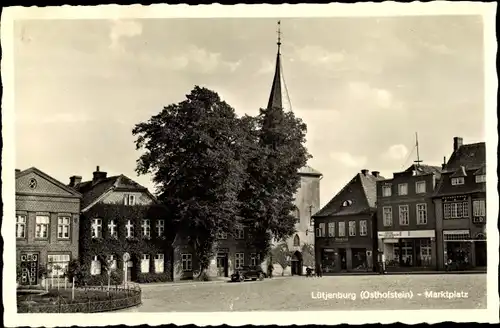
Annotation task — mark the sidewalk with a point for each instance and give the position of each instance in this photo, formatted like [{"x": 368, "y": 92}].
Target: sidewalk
[
  {"x": 403, "y": 273},
  {"x": 215, "y": 280}
]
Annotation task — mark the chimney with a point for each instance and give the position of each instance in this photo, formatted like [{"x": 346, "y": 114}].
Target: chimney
[
  {"x": 18, "y": 171},
  {"x": 74, "y": 180},
  {"x": 376, "y": 174},
  {"x": 457, "y": 143},
  {"x": 98, "y": 175},
  {"x": 443, "y": 166},
  {"x": 364, "y": 171}
]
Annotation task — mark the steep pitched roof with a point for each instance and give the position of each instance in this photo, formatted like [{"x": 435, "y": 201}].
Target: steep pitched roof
[
  {"x": 49, "y": 178},
  {"x": 93, "y": 192},
  {"x": 360, "y": 194},
  {"x": 275, "y": 98},
  {"x": 470, "y": 156}
]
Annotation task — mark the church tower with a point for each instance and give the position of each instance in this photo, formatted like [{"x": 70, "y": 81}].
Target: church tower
[{"x": 307, "y": 200}]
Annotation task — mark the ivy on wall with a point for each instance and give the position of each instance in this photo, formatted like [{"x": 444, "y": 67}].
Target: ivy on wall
[{"x": 136, "y": 247}]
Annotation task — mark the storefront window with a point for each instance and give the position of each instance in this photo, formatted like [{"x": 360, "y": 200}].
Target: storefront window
[
  {"x": 359, "y": 259},
  {"x": 409, "y": 253},
  {"x": 328, "y": 260}
]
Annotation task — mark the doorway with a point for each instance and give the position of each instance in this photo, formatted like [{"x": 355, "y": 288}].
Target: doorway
[
  {"x": 222, "y": 265},
  {"x": 343, "y": 258},
  {"x": 481, "y": 257},
  {"x": 29, "y": 268},
  {"x": 297, "y": 264}
]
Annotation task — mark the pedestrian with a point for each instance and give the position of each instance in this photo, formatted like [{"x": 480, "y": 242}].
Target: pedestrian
[
  {"x": 320, "y": 270},
  {"x": 270, "y": 268}
]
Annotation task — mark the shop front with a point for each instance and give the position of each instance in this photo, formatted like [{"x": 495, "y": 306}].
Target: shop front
[
  {"x": 463, "y": 251},
  {"x": 328, "y": 260},
  {"x": 409, "y": 249}
]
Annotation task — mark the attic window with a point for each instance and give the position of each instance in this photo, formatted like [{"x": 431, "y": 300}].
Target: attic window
[
  {"x": 457, "y": 181},
  {"x": 347, "y": 203},
  {"x": 129, "y": 200},
  {"x": 32, "y": 183}
]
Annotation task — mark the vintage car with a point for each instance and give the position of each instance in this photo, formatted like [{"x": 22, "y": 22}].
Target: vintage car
[{"x": 248, "y": 272}]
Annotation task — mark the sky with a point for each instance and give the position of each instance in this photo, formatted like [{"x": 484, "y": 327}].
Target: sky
[{"x": 363, "y": 85}]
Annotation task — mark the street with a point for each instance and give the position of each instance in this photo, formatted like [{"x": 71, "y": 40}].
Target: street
[{"x": 465, "y": 291}]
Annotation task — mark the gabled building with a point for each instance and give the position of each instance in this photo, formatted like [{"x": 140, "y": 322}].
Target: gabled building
[
  {"x": 47, "y": 222},
  {"x": 460, "y": 206},
  {"x": 346, "y": 227},
  {"x": 120, "y": 216},
  {"x": 406, "y": 224}
]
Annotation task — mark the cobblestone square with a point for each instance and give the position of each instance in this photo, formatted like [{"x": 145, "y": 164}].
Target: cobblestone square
[{"x": 465, "y": 291}]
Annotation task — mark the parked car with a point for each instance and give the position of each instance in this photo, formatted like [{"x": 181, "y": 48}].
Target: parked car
[{"x": 248, "y": 272}]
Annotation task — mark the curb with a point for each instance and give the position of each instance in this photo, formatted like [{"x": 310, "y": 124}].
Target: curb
[{"x": 194, "y": 283}]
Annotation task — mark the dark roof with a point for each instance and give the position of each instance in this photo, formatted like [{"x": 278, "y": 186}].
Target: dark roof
[
  {"x": 93, "y": 191},
  {"x": 49, "y": 178},
  {"x": 361, "y": 191},
  {"x": 470, "y": 156},
  {"x": 307, "y": 170},
  {"x": 445, "y": 188},
  {"x": 481, "y": 170},
  {"x": 424, "y": 169}
]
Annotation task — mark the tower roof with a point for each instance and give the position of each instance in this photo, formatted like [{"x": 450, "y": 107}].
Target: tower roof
[{"x": 275, "y": 98}]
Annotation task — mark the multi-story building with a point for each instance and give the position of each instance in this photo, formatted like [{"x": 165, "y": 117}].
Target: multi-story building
[
  {"x": 460, "y": 206},
  {"x": 406, "y": 225},
  {"x": 120, "y": 216},
  {"x": 47, "y": 219},
  {"x": 346, "y": 227}
]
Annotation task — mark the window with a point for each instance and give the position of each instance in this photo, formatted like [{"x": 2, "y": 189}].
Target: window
[
  {"x": 112, "y": 262},
  {"x": 63, "y": 223},
  {"x": 352, "y": 228},
  {"x": 387, "y": 213},
  {"x": 221, "y": 235},
  {"x": 322, "y": 230},
  {"x": 347, "y": 203},
  {"x": 95, "y": 266},
  {"x": 254, "y": 259},
  {"x": 457, "y": 181},
  {"x": 130, "y": 229},
  {"x": 240, "y": 234},
  {"x": 403, "y": 189},
  {"x": 479, "y": 207},
  {"x": 296, "y": 241},
  {"x": 425, "y": 252},
  {"x": 57, "y": 264},
  {"x": 96, "y": 228},
  {"x": 403, "y": 215},
  {"x": 421, "y": 213},
  {"x": 407, "y": 252},
  {"x": 159, "y": 263},
  {"x": 342, "y": 229},
  {"x": 129, "y": 200},
  {"x": 112, "y": 229},
  {"x": 386, "y": 191},
  {"x": 420, "y": 187},
  {"x": 145, "y": 263},
  {"x": 21, "y": 226},
  {"x": 456, "y": 210},
  {"x": 42, "y": 227},
  {"x": 187, "y": 262},
  {"x": 481, "y": 178},
  {"x": 318, "y": 232},
  {"x": 239, "y": 260},
  {"x": 146, "y": 229},
  {"x": 160, "y": 227},
  {"x": 363, "y": 227},
  {"x": 331, "y": 229}
]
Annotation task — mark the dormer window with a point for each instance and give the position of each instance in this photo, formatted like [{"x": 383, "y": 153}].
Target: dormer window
[
  {"x": 481, "y": 178},
  {"x": 347, "y": 203},
  {"x": 457, "y": 181},
  {"x": 129, "y": 200}
]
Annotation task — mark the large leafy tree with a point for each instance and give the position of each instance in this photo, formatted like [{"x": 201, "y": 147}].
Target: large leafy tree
[
  {"x": 267, "y": 198},
  {"x": 197, "y": 151}
]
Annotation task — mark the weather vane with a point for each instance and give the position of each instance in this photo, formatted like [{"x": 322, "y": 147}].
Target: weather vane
[{"x": 279, "y": 33}]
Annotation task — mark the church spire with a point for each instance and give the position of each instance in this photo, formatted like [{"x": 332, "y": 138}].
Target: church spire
[{"x": 275, "y": 100}]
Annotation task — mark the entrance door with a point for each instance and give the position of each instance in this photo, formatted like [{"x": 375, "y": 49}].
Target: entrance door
[
  {"x": 222, "y": 266},
  {"x": 343, "y": 258},
  {"x": 480, "y": 253},
  {"x": 29, "y": 268}
]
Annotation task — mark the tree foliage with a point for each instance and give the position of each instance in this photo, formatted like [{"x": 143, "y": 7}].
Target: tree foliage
[
  {"x": 195, "y": 152},
  {"x": 281, "y": 255},
  {"x": 216, "y": 171}
]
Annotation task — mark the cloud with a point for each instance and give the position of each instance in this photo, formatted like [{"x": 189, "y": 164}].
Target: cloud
[
  {"x": 123, "y": 28},
  {"x": 363, "y": 92},
  {"x": 397, "y": 152},
  {"x": 317, "y": 55},
  {"x": 348, "y": 160},
  {"x": 266, "y": 67}
]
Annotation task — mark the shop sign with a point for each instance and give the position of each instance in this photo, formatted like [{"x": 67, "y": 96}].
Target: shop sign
[
  {"x": 328, "y": 250},
  {"x": 455, "y": 198},
  {"x": 223, "y": 250},
  {"x": 340, "y": 240},
  {"x": 390, "y": 234}
]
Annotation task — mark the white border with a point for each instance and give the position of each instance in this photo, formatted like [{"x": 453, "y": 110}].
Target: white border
[{"x": 487, "y": 10}]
